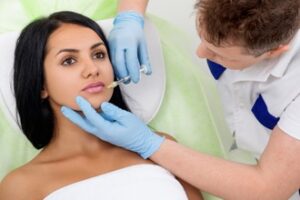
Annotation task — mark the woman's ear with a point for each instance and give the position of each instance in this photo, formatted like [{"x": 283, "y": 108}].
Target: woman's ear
[
  {"x": 278, "y": 51},
  {"x": 44, "y": 94}
]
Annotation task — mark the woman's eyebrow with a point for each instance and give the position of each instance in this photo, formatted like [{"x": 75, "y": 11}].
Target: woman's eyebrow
[
  {"x": 96, "y": 45},
  {"x": 67, "y": 50},
  {"x": 76, "y": 50}
]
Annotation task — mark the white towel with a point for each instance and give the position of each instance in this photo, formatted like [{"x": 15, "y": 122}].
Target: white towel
[{"x": 138, "y": 182}]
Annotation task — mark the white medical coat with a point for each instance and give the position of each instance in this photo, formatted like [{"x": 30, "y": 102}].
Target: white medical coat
[{"x": 258, "y": 98}]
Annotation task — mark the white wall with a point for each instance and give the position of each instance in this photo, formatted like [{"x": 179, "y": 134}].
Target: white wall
[{"x": 179, "y": 12}]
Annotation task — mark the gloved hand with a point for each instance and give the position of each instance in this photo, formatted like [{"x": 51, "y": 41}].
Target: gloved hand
[
  {"x": 115, "y": 126},
  {"x": 127, "y": 45}
]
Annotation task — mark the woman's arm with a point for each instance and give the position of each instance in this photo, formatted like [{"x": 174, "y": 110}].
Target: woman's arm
[
  {"x": 16, "y": 186},
  {"x": 276, "y": 176},
  {"x": 133, "y": 5}
]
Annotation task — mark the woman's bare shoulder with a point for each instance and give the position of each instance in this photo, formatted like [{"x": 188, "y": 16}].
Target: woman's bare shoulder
[{"x": 18, "y": 184}]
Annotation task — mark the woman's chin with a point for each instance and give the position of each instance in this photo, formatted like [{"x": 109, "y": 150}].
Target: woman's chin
[
  {"x": 96, "y": 106},
  {"x": 96, "y": 103}
]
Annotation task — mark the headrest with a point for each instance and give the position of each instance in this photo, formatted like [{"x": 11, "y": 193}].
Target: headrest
[{"x": 143, "y": 99}]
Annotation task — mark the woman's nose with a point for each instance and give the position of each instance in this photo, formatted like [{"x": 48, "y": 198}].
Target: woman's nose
[
  {"x": 204, "y": 52},
  {"x": 90, "y": 69}
]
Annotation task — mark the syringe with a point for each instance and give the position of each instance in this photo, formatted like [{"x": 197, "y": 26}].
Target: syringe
[{"x": 116, "y": 83}]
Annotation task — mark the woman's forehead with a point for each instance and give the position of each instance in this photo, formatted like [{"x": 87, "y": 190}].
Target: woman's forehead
[{"x": 73, "y": 36}]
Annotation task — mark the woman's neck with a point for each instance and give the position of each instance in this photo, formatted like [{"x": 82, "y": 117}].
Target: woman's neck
[{"x": 69, "y": 139}]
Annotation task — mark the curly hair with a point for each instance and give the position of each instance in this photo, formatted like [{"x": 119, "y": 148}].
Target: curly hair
[{"x": 257, "y": 25}]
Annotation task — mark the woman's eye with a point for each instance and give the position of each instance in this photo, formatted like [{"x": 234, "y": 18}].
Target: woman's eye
[
  {"x": 99, "y": 55},
  {"x": 68, "y": 61}
]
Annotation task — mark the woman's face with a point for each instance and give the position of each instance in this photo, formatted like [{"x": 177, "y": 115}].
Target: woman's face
[{"x": 76, "y": 63}]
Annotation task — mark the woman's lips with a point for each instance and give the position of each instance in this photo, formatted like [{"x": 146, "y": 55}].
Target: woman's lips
[{"x": 94, "y": 87}]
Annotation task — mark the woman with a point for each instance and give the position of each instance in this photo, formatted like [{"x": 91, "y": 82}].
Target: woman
[{"x": 56, "y": 59}]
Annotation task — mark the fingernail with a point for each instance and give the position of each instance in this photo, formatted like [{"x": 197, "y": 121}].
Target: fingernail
[
  {"x": 105, "y": 105},
  {"x": 78, "y": 99},
  {"x": 135, "y": 79},
  {"x": 146, "y": 69},
  {"x": 149, "y": 72},
  {"x": 63, "y": 109},
  {"x": 127, "y": 81}
]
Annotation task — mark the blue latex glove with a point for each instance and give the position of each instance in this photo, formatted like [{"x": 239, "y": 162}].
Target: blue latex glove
[
  {"x": 128, "y": 47},
  {"x": 115, "y": 126}
]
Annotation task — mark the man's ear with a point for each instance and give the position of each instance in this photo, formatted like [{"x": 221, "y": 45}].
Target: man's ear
[{"x": 278, "y": 51}]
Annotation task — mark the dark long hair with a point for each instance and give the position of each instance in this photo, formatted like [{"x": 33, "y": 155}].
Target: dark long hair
[{"x": 36, "y": 117}]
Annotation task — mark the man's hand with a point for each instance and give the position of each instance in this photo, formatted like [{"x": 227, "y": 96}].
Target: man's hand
[
  {"x": 115, "y": 126},
  {"x": 128, "y": 47}
]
